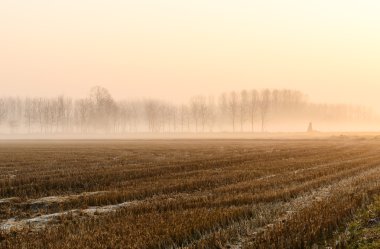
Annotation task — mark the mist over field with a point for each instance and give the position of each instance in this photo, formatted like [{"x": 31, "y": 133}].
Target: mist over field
[{"x": 247, "y": 111}]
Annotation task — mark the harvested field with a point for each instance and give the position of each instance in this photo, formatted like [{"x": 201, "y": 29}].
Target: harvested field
[{"x": 183, "y": 193}]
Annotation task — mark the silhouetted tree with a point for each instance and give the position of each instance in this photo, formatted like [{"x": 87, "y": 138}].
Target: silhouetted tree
[
  {"x": 99, "y": 112},
  {"x": 3, "y": 110},
  {"x": 253, "y": 106},
  {"x": 232, "y": 108},
  {"x": 243, "y": 108},
  {"x": 264, "y": 107}
]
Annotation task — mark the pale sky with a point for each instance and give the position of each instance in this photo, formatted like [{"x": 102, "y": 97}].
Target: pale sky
[{"x": 329, "y": 49}]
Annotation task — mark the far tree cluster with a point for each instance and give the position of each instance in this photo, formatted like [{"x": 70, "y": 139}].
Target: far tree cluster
[{"x": 244, "y": 111}]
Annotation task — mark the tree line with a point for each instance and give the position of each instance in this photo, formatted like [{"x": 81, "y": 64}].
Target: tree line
[{"x": 243, "y": 111}]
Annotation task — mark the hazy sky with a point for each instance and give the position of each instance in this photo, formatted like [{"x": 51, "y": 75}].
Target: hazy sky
[{"x": 330, "y": 49}]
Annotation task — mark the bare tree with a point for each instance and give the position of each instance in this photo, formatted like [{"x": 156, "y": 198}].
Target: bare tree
[
  {"x": 183, "y": 114},
  {"x": 243, "y": 107},
  {"x": 211, "y": 113},
  {"x": 151, "y": 110},
  {"x": 134, "y": 110},
  {"x": 3, "y": 110},
  {"x": 68, "y": 112},
  {"x": 194, "y": 105},
  {"x": 40, "y": 113},
  {"x": 223, "y": 110},
  {"x": 253, "y": 106},
  {"x": 99, "y": 112},
  {"x": 29, "y": 113},
  {"x": 232, "y": 107},
  {"x": 173, "y": 115},
  {"x": 60, "y": 113},
  {"x": 83, "y": 112},
  {"x": 104, "y": 107},
  {"x": 124, "y": 116},
  {"x": 264, "y": 107},
  {"x": 203, "y": 111}
]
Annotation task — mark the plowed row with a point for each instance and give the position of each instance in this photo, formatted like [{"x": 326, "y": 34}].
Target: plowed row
[{"x": 182, "y": 194}]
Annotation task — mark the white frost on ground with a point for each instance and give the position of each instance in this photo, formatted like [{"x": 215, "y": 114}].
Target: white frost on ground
[
  {"x": 40, "y": 222},
  {"x": 107, "y": 209},
  {"x": 61, "y": 199},
  {"x": 35, "y": 223},
  {"x": 51, "y": 199},
  {"x": 8, "y": 200}
]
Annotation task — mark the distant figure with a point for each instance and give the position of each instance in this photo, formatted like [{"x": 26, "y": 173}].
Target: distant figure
[{"x": 310, "y": 128}]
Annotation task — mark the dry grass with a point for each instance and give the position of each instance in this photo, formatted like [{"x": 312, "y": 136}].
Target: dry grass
[{"x": 189, "y": 194}]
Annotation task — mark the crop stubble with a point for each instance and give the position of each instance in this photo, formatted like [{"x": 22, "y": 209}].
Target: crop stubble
[{"x": 182, "y": 193}]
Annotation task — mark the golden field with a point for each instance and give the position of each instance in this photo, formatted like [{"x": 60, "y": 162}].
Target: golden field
[{"x": 273, "y": 193}]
